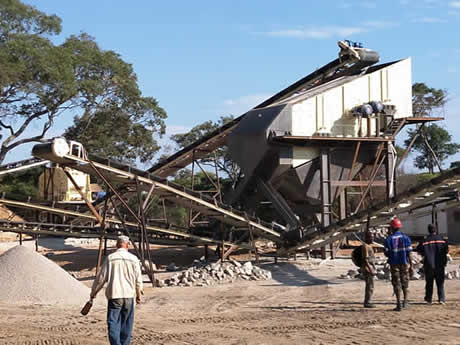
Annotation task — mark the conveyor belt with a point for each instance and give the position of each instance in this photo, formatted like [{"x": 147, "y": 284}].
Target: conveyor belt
[
  {"x": 63, "y": 230},
  {"x": 177, "y": 194},
  {"x": 346, "y": 64},
  {"x": 446, "y": 185},
  {"x": 21, "y": 165},
  {"x": 70, "y": 230}
]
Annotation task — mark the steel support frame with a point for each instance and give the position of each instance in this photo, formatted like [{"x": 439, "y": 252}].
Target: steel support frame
[
  {"x": 326, "y": 205},
  {"x": 377, "y": 164},
  {"x": 217, "y": 196},
  {"x": 144, "y": 244},
  {"x": 100, "y": 220},
  {"x": 390, "y": 173}
]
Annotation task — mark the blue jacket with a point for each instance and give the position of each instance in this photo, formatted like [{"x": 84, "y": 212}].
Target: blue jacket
[{"x": 397, "y": 248}]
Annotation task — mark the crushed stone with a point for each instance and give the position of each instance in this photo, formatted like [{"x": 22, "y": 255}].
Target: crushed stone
[{"x": 28, "y": 277}]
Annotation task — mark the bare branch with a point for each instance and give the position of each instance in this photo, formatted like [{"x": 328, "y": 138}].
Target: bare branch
[{"x": 7, "y": 127}]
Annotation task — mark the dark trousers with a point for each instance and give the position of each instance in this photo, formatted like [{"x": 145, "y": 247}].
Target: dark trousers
[
  {"x": 120, "y": 317},
  {"x": 431, "y": 275}
]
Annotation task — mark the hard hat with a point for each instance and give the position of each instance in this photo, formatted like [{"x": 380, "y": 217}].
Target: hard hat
[{"x": 396, "y": 223}]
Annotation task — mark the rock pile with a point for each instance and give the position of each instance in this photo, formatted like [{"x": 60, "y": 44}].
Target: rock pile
[
  {"x": 28, "y": 277},
  {"x": 202, "y": 274},
  {"x": 383, "y": 270}
]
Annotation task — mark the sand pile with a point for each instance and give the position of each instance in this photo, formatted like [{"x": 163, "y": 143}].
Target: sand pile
[{"x": 28, "y": 277}]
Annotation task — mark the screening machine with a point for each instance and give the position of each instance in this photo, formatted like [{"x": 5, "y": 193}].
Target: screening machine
[{"x": 311, "y": 143}]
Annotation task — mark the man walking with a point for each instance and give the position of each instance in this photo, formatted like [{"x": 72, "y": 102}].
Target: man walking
[
  {"x": 397, "y": 249},
  {"x": 368, "y": 268},
  {"x": 434, "y": 250},
  {"x": 122, "y": 272}
]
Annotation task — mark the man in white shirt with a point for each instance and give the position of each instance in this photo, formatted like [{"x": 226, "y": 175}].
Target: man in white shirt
[{"x": 122, "y": 273}]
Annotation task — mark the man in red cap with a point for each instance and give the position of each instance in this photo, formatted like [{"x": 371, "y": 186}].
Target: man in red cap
[{"x": 397, "y": 249}]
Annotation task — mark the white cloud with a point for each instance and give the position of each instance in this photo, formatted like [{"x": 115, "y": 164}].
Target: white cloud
[
  {"x": 454, "y": 4},
  {"x": 368, "y": 4},
  {"x": 345, "y": 5},
  {"x": 428, "y": 20},
  {"x": 380, "y": 24},
  {"x": 242, "y": 104},
  {"x": 323, "y": 32},
  {"x": 245, "y": 103},
  {"x": 176, "y": 129},
  {"x": 421, "y": 4},
  {"x": 364, "y": 4},
  {"x": 318, "y": 32}
]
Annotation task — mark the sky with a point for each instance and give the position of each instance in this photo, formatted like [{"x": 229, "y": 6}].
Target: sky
[{"x": 205, "y": 59}]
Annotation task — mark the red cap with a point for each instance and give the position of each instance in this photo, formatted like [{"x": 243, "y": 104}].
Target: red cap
[{"x": 396, "y": 223}]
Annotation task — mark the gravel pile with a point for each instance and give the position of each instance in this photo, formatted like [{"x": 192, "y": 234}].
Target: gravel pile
[
  {"x": 26, "y": 276},
  {"x": 202, "y": 274}
]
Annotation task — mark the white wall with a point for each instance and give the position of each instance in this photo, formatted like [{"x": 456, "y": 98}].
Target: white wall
[{"x": 329, "y": 111}]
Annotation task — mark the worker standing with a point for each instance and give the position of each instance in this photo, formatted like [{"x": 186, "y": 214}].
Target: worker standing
[
  {"x": 434, "y": 250},
  {"x": 368, "y": 268},
  {"x": 122, "y": 272},
  {"x": 398, "y": 249}
]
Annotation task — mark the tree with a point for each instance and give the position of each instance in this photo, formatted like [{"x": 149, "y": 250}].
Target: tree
[
  {"x": 224, "y": 161},
  {"x": 434, "y": 140},
  {"x": 21, "y": 184},
  {"x": 426, "y": 100},
  {"x": 40, "y": 81},
  {"x": 441, "y": 144}
]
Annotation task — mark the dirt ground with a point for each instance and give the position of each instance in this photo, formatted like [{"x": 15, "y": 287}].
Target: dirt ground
[{"x": 304, "y": 303}]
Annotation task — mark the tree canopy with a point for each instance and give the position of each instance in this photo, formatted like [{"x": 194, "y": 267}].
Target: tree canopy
[
  {"x": 434, "y": 140},
  {"x": 224, "y": 161},
  {"x": 40, "y": 81},
  {"x": 427, "y": 100},
  {"x": 440, "y": 141}
]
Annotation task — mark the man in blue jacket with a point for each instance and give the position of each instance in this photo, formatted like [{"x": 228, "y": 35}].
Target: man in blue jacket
[
  {"x": 434, "y": 250},
  {"x": 397, "y": 249}
]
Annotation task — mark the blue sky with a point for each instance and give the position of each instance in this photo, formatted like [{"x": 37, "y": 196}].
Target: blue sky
[{"x": 204, "y": 59}]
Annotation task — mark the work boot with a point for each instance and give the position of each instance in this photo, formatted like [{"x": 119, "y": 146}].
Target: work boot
[
  {"x": 405, "y": 304},
  {"x": 369, "y": 305},
  {"x": 398, "y": 308}
]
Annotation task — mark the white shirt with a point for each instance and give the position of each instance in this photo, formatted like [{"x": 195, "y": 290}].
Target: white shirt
[{"x": 122, "y": 272}]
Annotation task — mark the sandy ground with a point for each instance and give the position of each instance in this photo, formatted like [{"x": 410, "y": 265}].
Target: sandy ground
[{"x": 304, "y": 303}]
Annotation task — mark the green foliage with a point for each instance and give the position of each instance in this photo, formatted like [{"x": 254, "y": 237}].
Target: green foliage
[
  {"x": 426, "y": 100},
  {"x": 23, "y": 184},
  {"x": 201, "y": 181},
  {"x": 18, "y": 18},
  {"x": 224, "y": 162},
  {"x": 454, "y": 165},
  {"x": 40, "y": 81},
  {"x": 440, "y": 141}
]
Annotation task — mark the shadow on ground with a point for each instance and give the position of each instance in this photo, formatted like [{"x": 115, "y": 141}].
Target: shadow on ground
[{"x": 290, "y": 275}]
